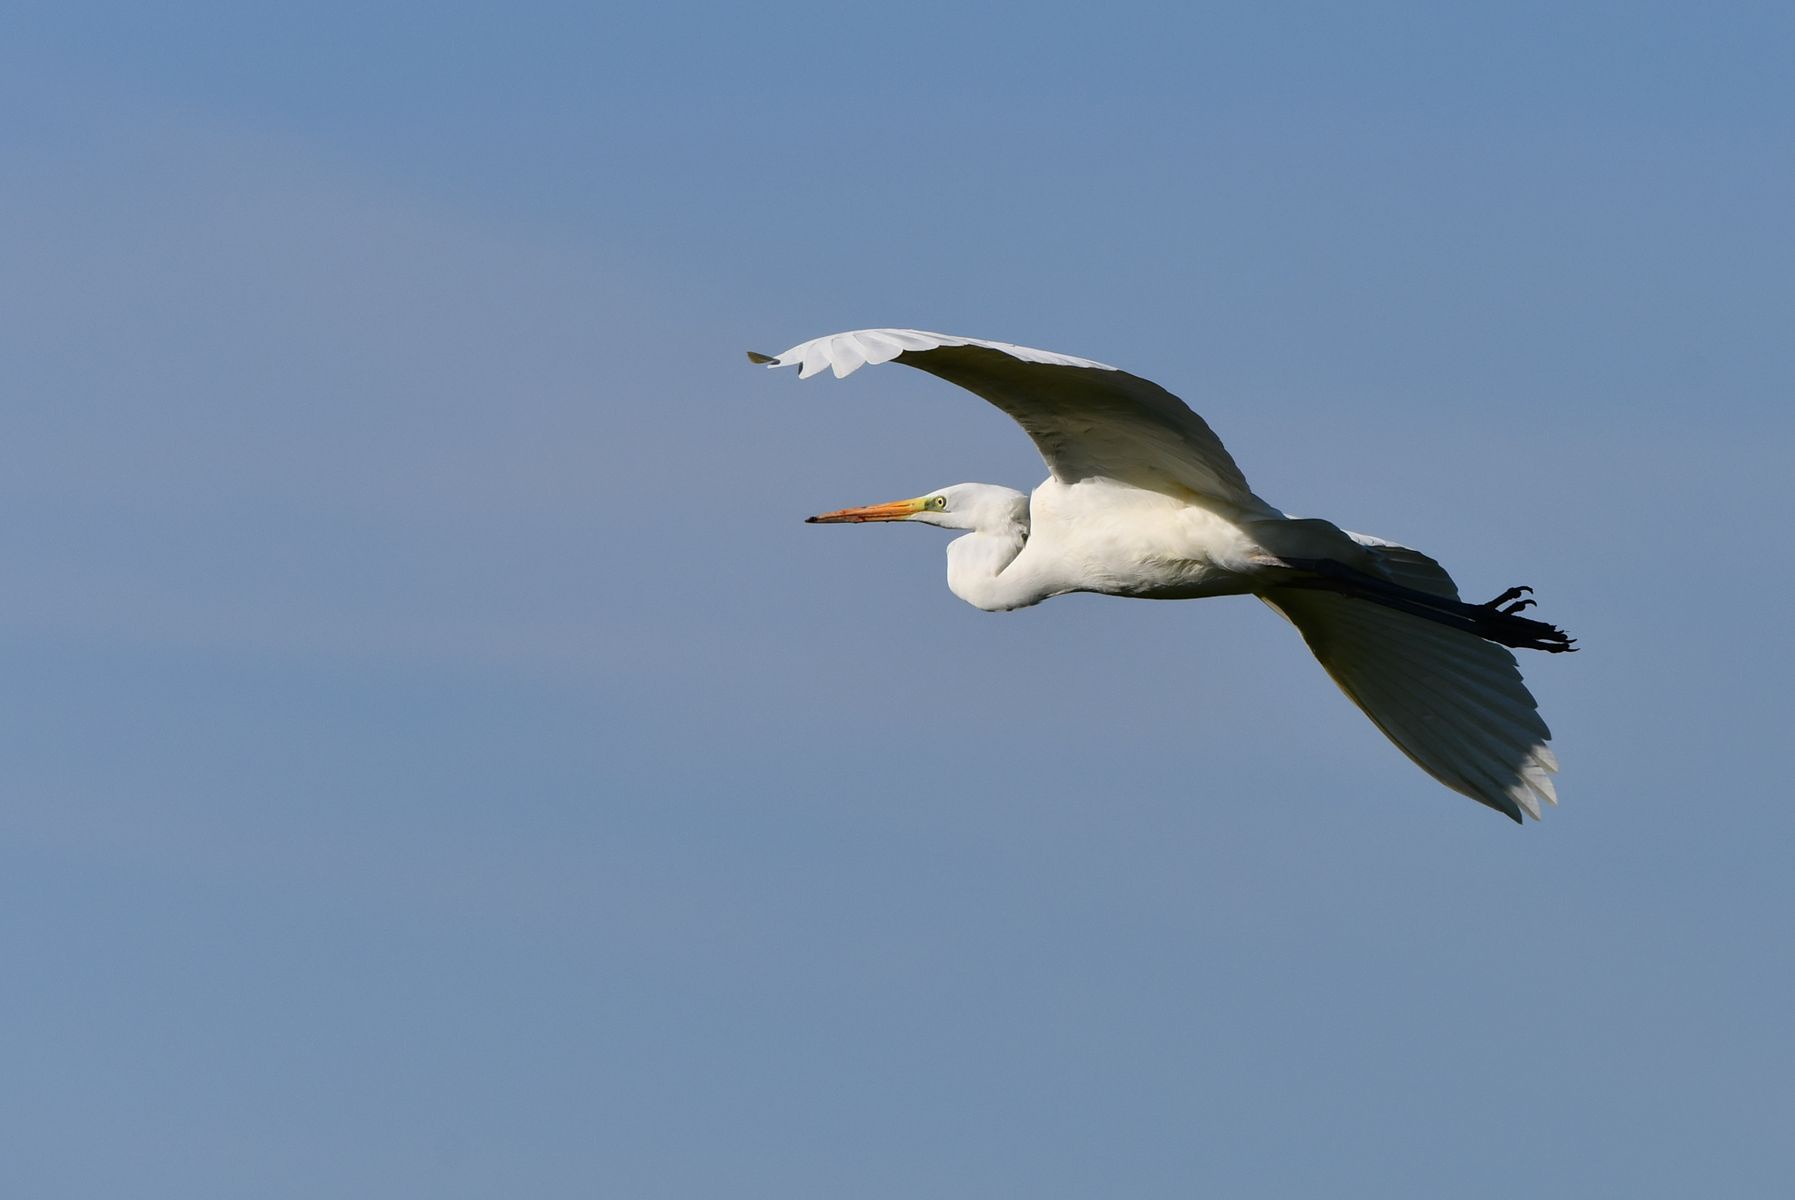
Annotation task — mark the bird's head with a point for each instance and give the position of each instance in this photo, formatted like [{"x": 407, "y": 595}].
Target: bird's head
[{"x": 984, "y": 507}]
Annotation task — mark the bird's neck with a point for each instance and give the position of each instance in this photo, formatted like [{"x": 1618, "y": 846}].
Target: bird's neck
[{"x": 982, "y": 570}]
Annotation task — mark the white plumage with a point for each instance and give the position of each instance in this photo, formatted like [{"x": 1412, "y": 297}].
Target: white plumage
[{"x": 1144, "y": 501}]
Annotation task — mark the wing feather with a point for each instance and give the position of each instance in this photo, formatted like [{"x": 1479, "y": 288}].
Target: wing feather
[
  {"x": 1454, "y": 703},
  {"x": 1088, "y": 419}
]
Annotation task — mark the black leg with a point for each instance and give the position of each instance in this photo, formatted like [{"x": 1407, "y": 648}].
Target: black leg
[{"x": 1491, "y": 621}]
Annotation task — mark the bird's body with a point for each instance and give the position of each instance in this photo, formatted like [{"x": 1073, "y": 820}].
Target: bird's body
[
  {"x": 1099, "y": 535},
  {"x": 1144, "y": 502}
]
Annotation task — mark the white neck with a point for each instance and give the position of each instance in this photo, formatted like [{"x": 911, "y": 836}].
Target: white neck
[{"x": 981, "y": 570}]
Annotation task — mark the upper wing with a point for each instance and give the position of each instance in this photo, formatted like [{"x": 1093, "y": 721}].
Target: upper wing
[{"x": 1087, "y": 419}]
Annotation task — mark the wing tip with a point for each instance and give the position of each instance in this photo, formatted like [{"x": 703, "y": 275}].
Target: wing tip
[
  {"x": 1535, "y": 785},
  {"x": 872, "y": 346}
]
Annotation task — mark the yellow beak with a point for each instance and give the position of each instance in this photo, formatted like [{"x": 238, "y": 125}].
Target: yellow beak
[{"x": 897, "y": 510}]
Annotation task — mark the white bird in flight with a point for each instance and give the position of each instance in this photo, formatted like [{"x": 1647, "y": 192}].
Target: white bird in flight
[{"x": 1143, "y": 501}]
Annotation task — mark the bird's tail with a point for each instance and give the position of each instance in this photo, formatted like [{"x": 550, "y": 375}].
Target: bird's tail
[{"x": 1450, "y": 700}]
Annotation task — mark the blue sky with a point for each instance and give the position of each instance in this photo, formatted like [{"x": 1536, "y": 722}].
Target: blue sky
[{"x": 440, "y": 762}]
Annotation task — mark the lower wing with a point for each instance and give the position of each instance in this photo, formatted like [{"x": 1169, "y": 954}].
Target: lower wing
[{"x": 1451, "y": 701}]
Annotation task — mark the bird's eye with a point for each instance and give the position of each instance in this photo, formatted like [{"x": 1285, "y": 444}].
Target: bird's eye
[{"x": 939, "y": 502}]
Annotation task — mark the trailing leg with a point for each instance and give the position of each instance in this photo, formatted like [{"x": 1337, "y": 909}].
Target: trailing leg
[{"x": 1498, "y": 621}]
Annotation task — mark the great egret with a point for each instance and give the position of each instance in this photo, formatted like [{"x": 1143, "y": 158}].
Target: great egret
[{"x": 1144, "y": 501}]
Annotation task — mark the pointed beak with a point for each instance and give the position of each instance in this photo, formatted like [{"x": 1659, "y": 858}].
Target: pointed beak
[{"x": 897, "y": 510}]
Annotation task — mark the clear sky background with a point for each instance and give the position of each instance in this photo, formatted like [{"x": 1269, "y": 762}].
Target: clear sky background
[{"x": 436, "y": 760}]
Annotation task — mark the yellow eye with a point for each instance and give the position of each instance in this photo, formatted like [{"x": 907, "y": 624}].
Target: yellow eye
[{"x": 938, "y": 502}]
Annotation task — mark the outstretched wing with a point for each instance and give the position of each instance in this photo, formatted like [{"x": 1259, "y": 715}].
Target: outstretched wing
[
  {"x": 1453, "y": 703},
  {"x": 1087, "y": 419}
]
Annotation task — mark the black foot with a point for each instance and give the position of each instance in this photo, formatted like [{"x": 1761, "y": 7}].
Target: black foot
[
  {"x": 1513, "y": 593},
  {"x": 1549, "y": 638},
  {"x": 1508, "y": 627}
]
